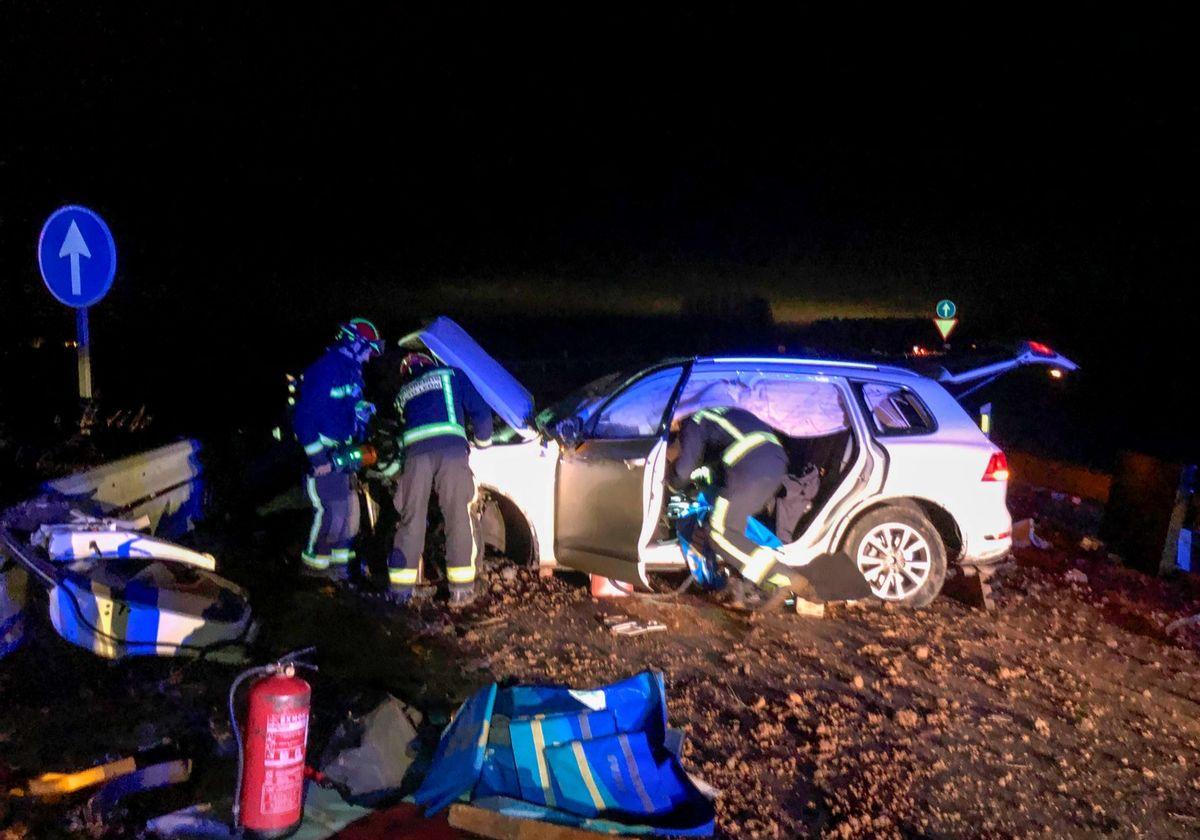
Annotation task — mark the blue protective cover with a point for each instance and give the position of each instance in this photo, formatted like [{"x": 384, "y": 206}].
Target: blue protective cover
[
  {"x": 452, "y": 346},
  {"x": 459, "y": 757},
  {"x": 593, "y": 758}
]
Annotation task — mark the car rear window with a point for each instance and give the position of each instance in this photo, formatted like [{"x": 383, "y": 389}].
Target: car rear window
[{"x": 895, "y": 410}]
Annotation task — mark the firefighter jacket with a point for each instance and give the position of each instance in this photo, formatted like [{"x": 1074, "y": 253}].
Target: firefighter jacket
[
  {"x": 326, "y": 411},
  {"x": 437, "y": 407},
  {"x": 717, "y": 439}
]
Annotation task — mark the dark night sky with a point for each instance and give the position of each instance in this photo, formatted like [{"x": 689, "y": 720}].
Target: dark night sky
[{"x": 265, "y": 173}]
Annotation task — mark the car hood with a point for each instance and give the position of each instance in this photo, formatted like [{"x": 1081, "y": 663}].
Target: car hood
[{"x": 451, "y": 344}]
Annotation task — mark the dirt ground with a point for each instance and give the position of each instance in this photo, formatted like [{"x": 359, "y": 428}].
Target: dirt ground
[{"x": 1068, "y": 711}]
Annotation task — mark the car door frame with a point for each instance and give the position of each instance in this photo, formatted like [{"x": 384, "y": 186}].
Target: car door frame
[{"x": 578, "y": 544}]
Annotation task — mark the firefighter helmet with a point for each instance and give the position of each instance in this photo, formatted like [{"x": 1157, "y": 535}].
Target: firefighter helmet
[
  {"x": 361, "y": 336},
  {"x": 413, "y": 363}
]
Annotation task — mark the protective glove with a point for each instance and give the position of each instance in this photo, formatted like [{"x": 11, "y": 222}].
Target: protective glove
[{"x": 364, "y": 410}]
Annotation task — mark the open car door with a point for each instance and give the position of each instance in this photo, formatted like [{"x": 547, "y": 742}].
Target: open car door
[{"x": 601, "y": 486}]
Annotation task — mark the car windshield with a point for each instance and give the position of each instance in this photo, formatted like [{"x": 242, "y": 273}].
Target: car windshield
[{"x": 579, "y": 402}]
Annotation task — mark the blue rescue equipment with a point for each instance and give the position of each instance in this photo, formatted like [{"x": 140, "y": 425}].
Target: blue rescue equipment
[
  {"x": 597, "y": 759},
  {"x": 697, "y": 552}
]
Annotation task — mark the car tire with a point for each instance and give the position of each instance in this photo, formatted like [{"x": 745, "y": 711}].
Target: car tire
[{"x": 912, "y": 571}]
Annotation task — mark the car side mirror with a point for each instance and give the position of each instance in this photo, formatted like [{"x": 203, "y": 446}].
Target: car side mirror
[{"x": 568, "y": 431}]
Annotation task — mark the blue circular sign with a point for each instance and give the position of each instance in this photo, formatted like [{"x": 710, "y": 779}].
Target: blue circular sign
[
  {"x": 77, "y": 256},
  {"x": 946, "y": 309}
]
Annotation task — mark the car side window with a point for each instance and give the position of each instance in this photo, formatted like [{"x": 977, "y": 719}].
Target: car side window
[
  {"x": 637, "y": 411},
  {"x": 895, "y": 410}
]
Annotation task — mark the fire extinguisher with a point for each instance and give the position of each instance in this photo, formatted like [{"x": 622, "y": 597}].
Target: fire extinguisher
[{"x": 269, "y": 799}]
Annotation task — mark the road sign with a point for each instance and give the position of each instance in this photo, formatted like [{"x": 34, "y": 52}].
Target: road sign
[
  {"x": 77, "y": 256},
  {"x": 946, "y": 326},
  {"x": 946, "y": 310}
]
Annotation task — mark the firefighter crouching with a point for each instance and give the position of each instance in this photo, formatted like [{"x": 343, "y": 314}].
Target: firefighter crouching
[
  {"x": 330, "y": 421},
  {"x": 746, "y": 464},
  {"x": 437, "y": 405}
]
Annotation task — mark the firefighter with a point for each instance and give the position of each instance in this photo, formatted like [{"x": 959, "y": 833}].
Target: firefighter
[
  {"x": 745, "y": 463},
  {"x": 331, "y": 417},
  {"x": 440, "y": 411}
]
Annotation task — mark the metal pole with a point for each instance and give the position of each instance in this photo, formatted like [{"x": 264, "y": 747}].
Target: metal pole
[{"x": 83, "y": 339}]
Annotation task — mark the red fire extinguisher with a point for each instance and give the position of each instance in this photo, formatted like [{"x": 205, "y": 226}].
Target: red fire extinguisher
[{"x": 269, "y": 800}]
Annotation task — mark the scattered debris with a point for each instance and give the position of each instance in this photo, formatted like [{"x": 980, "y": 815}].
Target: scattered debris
[
  {"x": 370, "y": 756},
  {"x": 1090, "y": 543},
  {"x": 1075, "y": 576},
  {"x": 623, "y": 625},
  {"x": 1023, "y": 535}
]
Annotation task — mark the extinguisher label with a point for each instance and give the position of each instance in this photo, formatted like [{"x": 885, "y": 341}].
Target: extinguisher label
[{"x": 283, "y": 783}]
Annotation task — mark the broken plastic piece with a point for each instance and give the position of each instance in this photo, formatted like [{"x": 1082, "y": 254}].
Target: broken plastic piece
[{"x": 1023, "y": 535}]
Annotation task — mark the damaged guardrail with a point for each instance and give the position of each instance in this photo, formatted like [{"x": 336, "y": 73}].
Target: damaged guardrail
[{"x": 116, "y": 586}]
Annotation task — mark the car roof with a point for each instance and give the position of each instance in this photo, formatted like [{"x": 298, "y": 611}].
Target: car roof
[{"x": 816, "y": 366}]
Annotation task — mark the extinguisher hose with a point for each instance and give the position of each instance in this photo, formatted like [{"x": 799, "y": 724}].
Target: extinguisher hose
[{"x": 273, "y": 668}]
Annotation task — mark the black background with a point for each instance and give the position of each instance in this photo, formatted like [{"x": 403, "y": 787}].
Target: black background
[{"x": 268, "y": 171}]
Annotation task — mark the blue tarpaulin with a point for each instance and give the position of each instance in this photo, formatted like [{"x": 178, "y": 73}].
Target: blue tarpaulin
[{"x": 597, "y": 759}]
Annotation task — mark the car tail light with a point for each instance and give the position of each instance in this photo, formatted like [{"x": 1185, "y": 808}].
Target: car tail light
[{"x": 997, "y": 468}]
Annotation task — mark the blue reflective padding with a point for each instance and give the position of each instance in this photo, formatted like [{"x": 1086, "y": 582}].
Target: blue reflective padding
[
  {"x": 459, "y": 757},
  {"x": 761, "y": 534},
  {"x": 621, "y": 773}
]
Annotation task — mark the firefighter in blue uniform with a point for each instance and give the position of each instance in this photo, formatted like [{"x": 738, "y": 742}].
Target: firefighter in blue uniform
[
  {"x": 441, "y": 411},
  {"x": 743, "y": 460},
  {"x": 330, "y": 419}
]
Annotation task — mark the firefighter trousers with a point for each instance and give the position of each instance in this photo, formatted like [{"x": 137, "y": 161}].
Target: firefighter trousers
[
  {"x": 330, "y": 546},
  {"x": 448, "y": 473},
  {"x": 744, "y": 490}
]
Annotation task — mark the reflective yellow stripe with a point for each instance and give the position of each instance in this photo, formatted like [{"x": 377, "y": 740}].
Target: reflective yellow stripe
[
  {"x": 460, "y": 574},
  {"x": 753, "y": 566},
  {"x": 734, "y": 431},
  {"x": 448, "y": 393},
  {"x": 719, "y": 512},
  {"x": 314, "y": 448},
  {"x": 340, "y": 556},
  {"x": 585, "y": 773},
  {"x": 315, "y": 561},
  {"x": 402, "y": 577},
  {"x": 318, "y": 514},
  {"x": 738, "y": 450},
  {"x": 539, "y": 747},
  {"x": 433, "y": 430}
]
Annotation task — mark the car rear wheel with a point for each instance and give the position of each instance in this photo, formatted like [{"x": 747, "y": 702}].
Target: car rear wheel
[{"x": 901, "y": 555}]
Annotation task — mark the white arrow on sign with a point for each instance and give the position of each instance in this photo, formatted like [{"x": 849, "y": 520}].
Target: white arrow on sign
[{"x": 73, "y": 246}]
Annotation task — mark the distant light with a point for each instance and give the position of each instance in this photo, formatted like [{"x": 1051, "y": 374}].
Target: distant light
[{"x": 1056, "y": 373}]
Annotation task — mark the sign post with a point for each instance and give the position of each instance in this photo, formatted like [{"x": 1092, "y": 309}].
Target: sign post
[{"x": 78, "y": 260}]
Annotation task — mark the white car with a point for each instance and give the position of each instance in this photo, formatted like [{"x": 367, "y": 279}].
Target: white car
[{"x": 896, "y": 473}]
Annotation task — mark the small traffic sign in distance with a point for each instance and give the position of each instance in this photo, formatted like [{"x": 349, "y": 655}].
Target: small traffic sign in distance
[
  {"x": 945, "y": 309},
  {"x": 77, "y": 256}
]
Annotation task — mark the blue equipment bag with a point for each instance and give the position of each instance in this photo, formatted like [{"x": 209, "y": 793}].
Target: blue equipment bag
[{"x": 597, "y": 759}]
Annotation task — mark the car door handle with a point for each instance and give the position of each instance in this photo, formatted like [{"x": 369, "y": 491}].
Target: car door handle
[{"x": 634, "y": 463}]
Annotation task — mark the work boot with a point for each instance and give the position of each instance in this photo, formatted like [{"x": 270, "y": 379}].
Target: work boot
[
  {"x": 461, "y": 595},
  {"x": 408, "y": 596}
]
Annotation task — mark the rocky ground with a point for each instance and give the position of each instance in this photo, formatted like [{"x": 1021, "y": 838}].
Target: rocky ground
[{"x": 1068, "y": 711}]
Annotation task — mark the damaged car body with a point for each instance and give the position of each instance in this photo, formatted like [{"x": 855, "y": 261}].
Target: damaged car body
[{"x": 885, "y": 465}]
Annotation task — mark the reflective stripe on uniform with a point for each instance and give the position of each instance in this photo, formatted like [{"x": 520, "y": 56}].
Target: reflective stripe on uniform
[
  {"x": 433, "y": 430},
  {"x": 461, "y": 574},
  {"x": 314, "y": 448},
  {"x": 448, "y": 394},
  {"x": 315, "y": 561},
  {"x": 754, "y": 566},
  {"x": 318, "y": 514},
  {"x": 742, "y": 443},
  {"x": 779, "y": 580},
  {"x": 341, "y": 556},
  {"x": 402, "y": 577},
  {"x": 738, "y": 449}
]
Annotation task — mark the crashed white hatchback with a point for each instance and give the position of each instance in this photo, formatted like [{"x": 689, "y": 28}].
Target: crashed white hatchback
[{"x": 890, "y": 467}]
